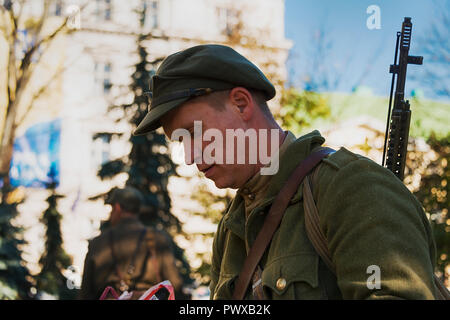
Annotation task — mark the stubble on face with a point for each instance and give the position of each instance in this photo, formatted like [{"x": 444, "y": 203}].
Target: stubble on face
[{"x": 224, "y": 175}]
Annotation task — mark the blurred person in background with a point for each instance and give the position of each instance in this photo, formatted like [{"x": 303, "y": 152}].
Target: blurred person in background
[{"x": 127, "y": 256}]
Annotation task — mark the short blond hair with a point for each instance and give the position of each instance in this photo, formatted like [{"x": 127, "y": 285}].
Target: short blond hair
[{"x": 217, "y": 100}]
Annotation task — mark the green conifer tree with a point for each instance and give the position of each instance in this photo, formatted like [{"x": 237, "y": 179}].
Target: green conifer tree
[
  {"x": 15, "y": 281},
  {"x": 148, "y": 165},
  {"x": 54, "y": 259}
]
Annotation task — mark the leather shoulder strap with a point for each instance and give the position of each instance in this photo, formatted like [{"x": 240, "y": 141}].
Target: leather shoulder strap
[
  {"x": 125, "y": 279},
  {"x": 273, "y": 220},
  {"x": 132, "y": 267},
  {"x": 319, "y": 240},
  {"x": 114, "y": 257},
  {"x": 312, "y": 223}
]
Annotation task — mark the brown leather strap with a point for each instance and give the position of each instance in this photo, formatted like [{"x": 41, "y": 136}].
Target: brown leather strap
[
  {"x": 273, "y": 220},
  {"x": 124, "y": 280},
  {"x": 257, "y": 287},
  {"x": 132, "y": 267},
  {"x": 319, "y": 240},
  {"x": 115, "y": 263}
]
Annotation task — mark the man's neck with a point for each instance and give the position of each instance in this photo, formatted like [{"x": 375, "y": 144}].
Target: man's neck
[
  {"x": 125, "y": 216},
  {"x": 271, "y": 150}
]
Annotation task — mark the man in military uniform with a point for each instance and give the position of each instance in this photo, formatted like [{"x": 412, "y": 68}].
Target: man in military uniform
[
  {"x": 127, "y": 256},
  {"x": 368, "y": 216}
]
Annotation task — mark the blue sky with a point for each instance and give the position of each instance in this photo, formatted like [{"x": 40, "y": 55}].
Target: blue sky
[{"x": 353, "y": 44}]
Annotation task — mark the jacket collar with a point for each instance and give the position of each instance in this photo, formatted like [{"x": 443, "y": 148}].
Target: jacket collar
[
  {"x": 295, "y": 152},
  {"x": 254, "y": 190}
]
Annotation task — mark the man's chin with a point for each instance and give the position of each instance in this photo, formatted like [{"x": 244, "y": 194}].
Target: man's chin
[
  {"x": 219, "y": 183},
  {"x": 223, "y": 180}
]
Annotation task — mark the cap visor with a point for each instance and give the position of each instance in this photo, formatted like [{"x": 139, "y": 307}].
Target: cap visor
[{"x": 151, "y": 119}]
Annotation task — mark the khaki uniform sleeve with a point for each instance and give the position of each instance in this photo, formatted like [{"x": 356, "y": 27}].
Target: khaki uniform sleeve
[
  {"x": 371, "y": 219},
  {"x": 216, "y": 259},
  {"x": 88, "y": 290}
]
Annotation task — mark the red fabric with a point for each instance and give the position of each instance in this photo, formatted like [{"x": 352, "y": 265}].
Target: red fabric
[{"x": 148, "y": 295}]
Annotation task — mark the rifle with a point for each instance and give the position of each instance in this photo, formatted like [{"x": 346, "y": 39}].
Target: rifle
[{"x": 397, "y": 126}]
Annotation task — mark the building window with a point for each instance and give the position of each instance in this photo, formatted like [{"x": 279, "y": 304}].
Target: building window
[
  {"x": 151, "y": 16},
  {"x": 227, "y": 19},
  {"x": 107, "y": 78},
  {"x": 102, "y": 73},
  {"x": 104, "y": 9},
  {"x": 104, "y": 149},
  {"x": 57, "y": 8}
]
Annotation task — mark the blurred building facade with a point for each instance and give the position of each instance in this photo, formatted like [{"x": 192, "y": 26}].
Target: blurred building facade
[{"x": 98, "y": 59}]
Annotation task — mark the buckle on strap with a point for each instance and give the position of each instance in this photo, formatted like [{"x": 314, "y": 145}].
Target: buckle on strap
[{"x": 257, "y": 287}]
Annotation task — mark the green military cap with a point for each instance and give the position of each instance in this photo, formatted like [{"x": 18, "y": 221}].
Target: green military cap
[
  {"x": 129, "y": 198},
  {"x": 197, "y": 71}
]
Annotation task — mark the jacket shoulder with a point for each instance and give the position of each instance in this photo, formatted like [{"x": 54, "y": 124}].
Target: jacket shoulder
[
  {"x": 158, "y": 239},
  {"x": 98, "y": 242},
  {"x": 346, "y": 169},
  {"x": 341, "y": 158}
]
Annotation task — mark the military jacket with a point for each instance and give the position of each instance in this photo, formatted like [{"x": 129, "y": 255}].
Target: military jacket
[
  {"x": 371, "y": 220},
  {"x": 153, "y": 262}
]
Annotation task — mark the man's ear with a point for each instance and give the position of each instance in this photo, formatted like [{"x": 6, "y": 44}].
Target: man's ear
[
  {"x": 242, "y": 102},
  {"x": 117, "y": 207}
]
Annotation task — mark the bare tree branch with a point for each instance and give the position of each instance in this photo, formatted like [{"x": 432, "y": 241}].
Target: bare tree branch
[
  {"x": 19, "y": 14},
  {"x": 18, "y": 79},
  {"x": 436, "y": 50},
  {"x": 41, "y": 91},
  {"x": 43, "y": 18},
  {"x": 24, "y": 78},
  {"x": 28, "y": 55},
  {"x": 58, "y": 73},
  {"x": 12, "y": 71}
]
